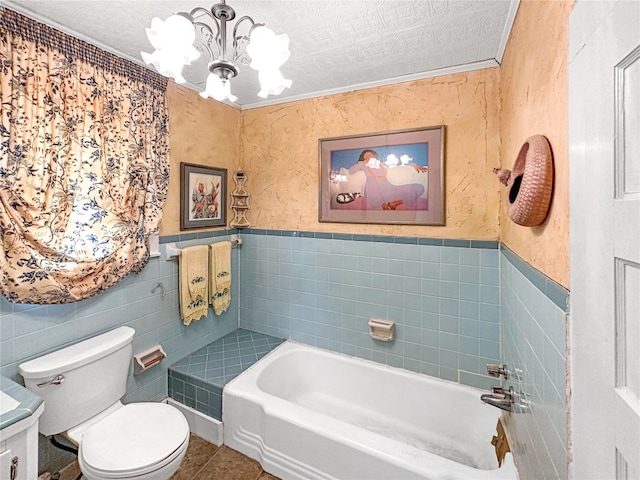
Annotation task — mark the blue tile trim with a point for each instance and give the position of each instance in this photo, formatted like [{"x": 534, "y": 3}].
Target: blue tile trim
[
  {"x": 169, "y": 239},
  {"x": 362, "y": 238},
  {"x": 406, "y": 240},
  {"x": 342, "y": 236},
  {"x": 483, "y": 244},
  {"x": 29, "y": 402},
  {"x": 430, "y": 241},
  {"x": 489, "y": 245},
  {"x": 556, "y": 293},
  {"x": 552, "y": 290},
  {"x": 197, "y": 235},
  {"x": 457, "y": 243},
  {"x": 324, "y": 235}
]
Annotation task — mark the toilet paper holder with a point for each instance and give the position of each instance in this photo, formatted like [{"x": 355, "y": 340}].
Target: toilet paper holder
[{"x": 147, "y": 359}]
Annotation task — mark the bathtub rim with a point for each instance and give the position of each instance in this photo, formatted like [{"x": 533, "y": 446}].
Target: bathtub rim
[{"x": 325, "y": 351}]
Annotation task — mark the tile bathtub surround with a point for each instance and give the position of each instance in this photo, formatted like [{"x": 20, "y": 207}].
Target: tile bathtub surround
[
  {"x": 533, "y": 319},
  {"x": 322, "y": 289},
  {"x": 197, "y": 380}
]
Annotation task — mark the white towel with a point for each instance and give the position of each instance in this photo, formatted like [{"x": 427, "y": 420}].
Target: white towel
[{"x": 220, "y": 276}]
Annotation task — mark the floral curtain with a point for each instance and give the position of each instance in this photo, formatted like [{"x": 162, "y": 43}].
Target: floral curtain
[{"x": 83, "y": 164}]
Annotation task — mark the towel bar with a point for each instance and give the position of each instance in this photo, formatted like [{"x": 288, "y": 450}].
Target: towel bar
[{"x": 172, "y": 251}]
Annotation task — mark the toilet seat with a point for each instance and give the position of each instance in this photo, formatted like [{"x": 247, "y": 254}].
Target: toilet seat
[{"x": 133, "y": 440}]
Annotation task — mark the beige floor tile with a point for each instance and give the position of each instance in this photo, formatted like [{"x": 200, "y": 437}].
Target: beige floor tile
[
  {"x": 70, "y": 472},
  {"x": 198, "y": 454},
  {"x": 228, "y": 464}
]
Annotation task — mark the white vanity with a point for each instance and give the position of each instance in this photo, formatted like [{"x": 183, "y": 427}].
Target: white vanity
[{"x": 19, "y": 413}]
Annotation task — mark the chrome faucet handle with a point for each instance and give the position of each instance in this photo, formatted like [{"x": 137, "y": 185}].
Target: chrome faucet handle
[{"x": 495, "y": 370}]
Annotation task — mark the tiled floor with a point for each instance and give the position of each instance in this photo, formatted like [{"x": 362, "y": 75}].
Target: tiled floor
[{"x": 205, "y": 461}]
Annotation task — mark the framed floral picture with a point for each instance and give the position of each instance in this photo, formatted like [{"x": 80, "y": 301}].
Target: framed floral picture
[
  {"x": 390, "y": 178},
  {"x": 203, "y": 196}
]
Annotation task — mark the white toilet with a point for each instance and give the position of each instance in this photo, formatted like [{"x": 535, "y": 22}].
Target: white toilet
[{"x": 82, "y": 386}]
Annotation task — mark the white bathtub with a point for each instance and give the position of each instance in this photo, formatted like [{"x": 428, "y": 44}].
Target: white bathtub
[{"x": 306, "y": 413}]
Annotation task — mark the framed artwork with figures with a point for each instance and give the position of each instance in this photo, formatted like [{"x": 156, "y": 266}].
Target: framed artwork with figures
[
  {"x": 389, "y": 178},
  {"x": 203, "y": 196}
]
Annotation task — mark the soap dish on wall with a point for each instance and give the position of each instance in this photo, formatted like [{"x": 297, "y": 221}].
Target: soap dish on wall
[{"x": 381, "y": 329}]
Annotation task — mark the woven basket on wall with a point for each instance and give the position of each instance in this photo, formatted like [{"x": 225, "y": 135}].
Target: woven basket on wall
[{"x": 530, "y": 182}]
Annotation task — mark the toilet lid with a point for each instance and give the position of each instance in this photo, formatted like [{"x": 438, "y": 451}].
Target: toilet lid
[{"x": 134, "y": 439}]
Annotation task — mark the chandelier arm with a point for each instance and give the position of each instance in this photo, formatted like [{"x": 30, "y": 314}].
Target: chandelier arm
[
  {"x": 236, "y": 54},
  {"x": 207, "y": 27},
  {"x": 240, "y": 20},
  {"x": 210, "y": 37},
  {"x": 200, "y": 10},
  {"x": 213, "y": 37}
]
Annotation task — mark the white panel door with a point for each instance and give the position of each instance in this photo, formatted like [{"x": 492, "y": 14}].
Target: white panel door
[{"x": 604, "y": 145}]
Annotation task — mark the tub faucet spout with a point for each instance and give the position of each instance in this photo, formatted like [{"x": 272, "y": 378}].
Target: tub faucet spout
[{"x": 499, "y": 397}]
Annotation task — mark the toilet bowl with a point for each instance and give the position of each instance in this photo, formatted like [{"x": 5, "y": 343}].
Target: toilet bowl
[
  {"x": 82, "y": 386},
  {"x": 141, "y": 441}
]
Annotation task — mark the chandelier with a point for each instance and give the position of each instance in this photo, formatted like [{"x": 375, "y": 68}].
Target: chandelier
[{"x": 181, "y": 38}]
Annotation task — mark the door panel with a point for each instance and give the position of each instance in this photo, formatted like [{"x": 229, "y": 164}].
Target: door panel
[{"x": 604, "y": 145}]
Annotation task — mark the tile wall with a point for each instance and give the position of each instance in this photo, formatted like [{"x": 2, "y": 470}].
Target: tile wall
[
  {"x": 29, "y": 331},
  {"x": 447, "y": 297},
  {"x": 534, "y": 332},
  {"x": 322, "y": 289}
]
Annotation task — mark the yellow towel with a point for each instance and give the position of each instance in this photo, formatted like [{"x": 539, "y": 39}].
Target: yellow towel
[
  {"x": 220, "y": 276},
  {"x": 194, "y": 283}
]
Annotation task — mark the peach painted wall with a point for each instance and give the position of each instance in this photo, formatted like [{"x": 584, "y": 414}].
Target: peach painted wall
[
  {"x": 534, "y": 100},
  {"x": 280, "y": 151},
  {"x": 201, "y": 131},
  {"x": 488, "y": 115}
]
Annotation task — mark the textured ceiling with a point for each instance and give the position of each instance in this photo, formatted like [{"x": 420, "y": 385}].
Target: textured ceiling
[{"x": 336, "y": 45}]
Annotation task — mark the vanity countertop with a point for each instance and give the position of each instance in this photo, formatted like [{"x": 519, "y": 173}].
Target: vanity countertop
[{"x": 16, "y": 402}]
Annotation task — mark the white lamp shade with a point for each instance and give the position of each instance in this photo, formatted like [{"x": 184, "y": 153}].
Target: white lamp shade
[
  {"x": 176, "y": 31},
  {"x": 166, "y": 64},
  {"x": 266, "y": 49},
  {"x": 218, "y": 89},
  {"x": 173, "y": 40},
  {"x": 272, "y": 82}
]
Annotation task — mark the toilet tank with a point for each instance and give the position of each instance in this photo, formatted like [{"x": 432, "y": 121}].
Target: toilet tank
[{"x": 94, "y": 375}]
